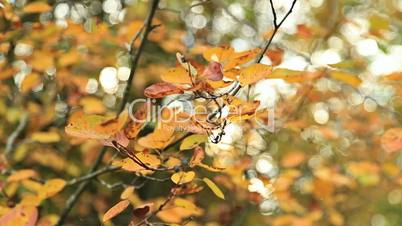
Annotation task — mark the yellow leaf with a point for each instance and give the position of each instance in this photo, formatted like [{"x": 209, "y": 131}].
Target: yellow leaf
[
  {"x": 37, "y": 7},
  {"x": 176, "y": 75},
  {"x": 69, "y": 58},
  {"x": 346, "y": 77},
  {"x": 192, "y": 141},
  {"x": 115, "y": 210},
  {"x": 52, "y": 187},
  {"x": 129, "y": 165},
  {"x": 254, "y": 73},
  {"x": 45, "y": 137},
  {"x": 20, "y": 216},
  {"x": 95, "y": 126},
  {"x": 30, "y": 82},
  {"x": 182, "y": 177},
  {"x": 21, "y": 175},
  {"x": 290, "y": 76},
  {"x": 214, "y": 188},
  {"x": 158, "y": 139},
  {"x": 128, "y": 191}
]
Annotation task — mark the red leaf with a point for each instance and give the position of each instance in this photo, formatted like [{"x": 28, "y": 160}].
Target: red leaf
[
  {"x": 213, "y": 71},
  {"x": 162, "y": 89}
]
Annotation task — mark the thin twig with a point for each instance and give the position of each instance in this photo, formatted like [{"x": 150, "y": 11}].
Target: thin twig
[
  {"x": 90, "y": 176},
  {"x": 15, "y": 134},
  {"x": 276, "y": 27}
]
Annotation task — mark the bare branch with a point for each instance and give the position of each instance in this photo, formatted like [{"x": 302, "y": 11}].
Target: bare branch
[{"x": 276, "y": 28}]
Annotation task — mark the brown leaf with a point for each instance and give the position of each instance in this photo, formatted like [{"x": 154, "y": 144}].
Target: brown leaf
[{"x": 162, "y": 89}]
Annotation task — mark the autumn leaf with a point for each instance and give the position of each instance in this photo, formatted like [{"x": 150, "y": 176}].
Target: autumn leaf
[
  {"x": 95, "y": 126},
  {"x": 137, "y": 122},
  {"x": 158, "y": 139},
  {"x": 183, "y": 177},
  {"x": 178, "y": 210},
  {"x": 20, "y": 216},
  {"x": 37, "y": 7},
  {"x": 213, "y": 72},
  {"x": 21, "y": 175},
  {"x": 30, "y": 82},
  {"x": 391, "y": 140},
  {"x": 293, "y": 159},
  {"x": 115, "y": 210},
  {"x": 129, "y": 165},
  {"x": 215, "y": 189},
  {"x": 254, "y": 73},
  {"x": 45, "y": 137},
  {"x": 276, "y": 56},
  {"x": 192, "y": 141},
  {"x": 197, "y": 157},
  {"x": 290, "y": 76},
  {"x": 228, "y": 57},
  {"x": 177, "y": 75},
  {"x": 52, "y": 187},
  {"x": 127, "y": 192},
  {"x": 159, "y": 90},
  {"x": 346, "y": 77}
]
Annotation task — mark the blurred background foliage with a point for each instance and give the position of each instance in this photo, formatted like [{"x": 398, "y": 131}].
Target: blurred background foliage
[{"x": 329, "y": 164}]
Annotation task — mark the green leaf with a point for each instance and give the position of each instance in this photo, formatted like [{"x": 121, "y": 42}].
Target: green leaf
[
  {"x": 214, "y": 188},
  {"x": 192, "y": 141}
]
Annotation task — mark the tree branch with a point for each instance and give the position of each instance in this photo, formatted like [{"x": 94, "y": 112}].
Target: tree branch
[
  {"x": 92, "y": 175},
  {"x": 276, "y": 27},
  {"x": 134, "y": 63},
  {"x": 15, "y": 134}
]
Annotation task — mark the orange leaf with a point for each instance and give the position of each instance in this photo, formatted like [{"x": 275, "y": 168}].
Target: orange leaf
[
  {"x": 115, "y": 210},
  {"x": 30, "y": 82},
  {"x": 37, "y": 7},
  {"x": 51, "y": 188},
  {"x": 391, "y": 140},
  {"x": 135, "y": 126},
  {"x": 254, "y": 73},
  {"x": 158, "y": 139},
  {"x": 293, "y": 159},
  {"x": 176, "y": 75},
  {"x": 20, "y": 216},
  {"x": 21, "y": 175},
  {"x": 159, "y": 90},
  {"x": 95, "y": 126}
]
